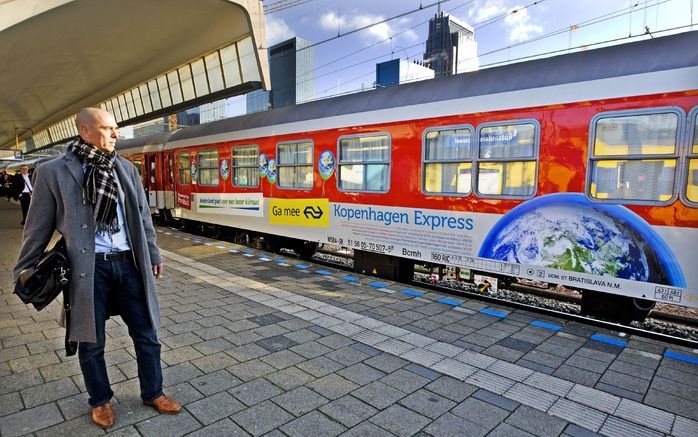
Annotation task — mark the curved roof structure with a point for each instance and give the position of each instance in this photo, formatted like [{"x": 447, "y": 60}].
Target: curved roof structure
[{"x": 62, "y": 55}]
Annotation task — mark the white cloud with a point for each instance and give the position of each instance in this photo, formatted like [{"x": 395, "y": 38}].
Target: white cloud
[
  {"x": 521, "y": 27},
  {"x": 486, "y": 9},
  {"x": 379, "y": 32},
  {"x": 277, "y": 30}
]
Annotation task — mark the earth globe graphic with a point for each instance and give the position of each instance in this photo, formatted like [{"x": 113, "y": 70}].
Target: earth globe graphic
[{"x": 566, "y": 231}]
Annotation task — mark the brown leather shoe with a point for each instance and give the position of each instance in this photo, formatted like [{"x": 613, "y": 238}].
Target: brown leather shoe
[
  {"x": 103, "y": 416},
  {"x": 164, "y": 405}
]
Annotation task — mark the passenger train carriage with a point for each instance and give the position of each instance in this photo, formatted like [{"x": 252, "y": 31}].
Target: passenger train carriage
[{"x": 580, "y": 170}]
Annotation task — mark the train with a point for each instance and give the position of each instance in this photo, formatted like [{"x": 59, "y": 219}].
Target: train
[{"x": 579, "y": 170}]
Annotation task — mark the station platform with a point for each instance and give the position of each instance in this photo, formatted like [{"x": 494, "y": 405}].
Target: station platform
[{"x": 255, "y": 344}]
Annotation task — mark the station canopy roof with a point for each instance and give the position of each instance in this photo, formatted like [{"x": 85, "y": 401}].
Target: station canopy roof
[{"x": 139, "y": 59}]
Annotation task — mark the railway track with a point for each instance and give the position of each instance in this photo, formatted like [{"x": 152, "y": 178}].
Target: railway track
[{"x": 663, "y": 325}]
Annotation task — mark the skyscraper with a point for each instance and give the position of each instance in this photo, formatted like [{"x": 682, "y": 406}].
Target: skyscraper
[
  {"x": 291, "y": 68},
  {"x": 451, "y": 46}
]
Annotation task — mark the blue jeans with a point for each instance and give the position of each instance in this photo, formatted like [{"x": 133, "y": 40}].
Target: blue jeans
[{"x": 118, "y": 285}]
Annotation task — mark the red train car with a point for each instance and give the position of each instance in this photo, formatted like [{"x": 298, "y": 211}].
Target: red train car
[{"x": 579, "y": 170}]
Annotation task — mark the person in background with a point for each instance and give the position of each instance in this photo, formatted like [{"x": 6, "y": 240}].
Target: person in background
[
  {"x": 95, "y": 199},
  {"x": 22, "y": 189}
]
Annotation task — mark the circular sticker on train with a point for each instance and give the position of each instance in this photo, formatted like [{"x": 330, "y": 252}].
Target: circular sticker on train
[
  {"x": 263, "y": 165},
  {"x": 194, "y": 171},
  {"x": 326, "y": 164},
  {"x": 271, "y": 171},
  {"x": 225, "y": 169}
]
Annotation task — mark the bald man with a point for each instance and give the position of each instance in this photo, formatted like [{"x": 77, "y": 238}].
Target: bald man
[{"x": 95, "y": 199}]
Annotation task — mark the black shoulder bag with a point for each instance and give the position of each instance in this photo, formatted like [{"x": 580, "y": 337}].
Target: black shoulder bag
[{"x": 41, "y": 283}]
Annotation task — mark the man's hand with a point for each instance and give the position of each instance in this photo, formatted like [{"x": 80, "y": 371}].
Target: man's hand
[{"x": 157, "y": 269}]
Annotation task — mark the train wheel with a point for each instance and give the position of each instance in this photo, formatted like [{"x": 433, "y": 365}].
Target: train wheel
[
  {"x": 620, "y": 309},
  {"x": 305, "y": 249}
]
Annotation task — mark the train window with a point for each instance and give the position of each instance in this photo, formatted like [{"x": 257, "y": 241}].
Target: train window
[
  {"x": 208, "y": 167},
  {"x": 364, "y": 163},
  {"x": 507, "y": 159},
  {"x": 692, "y": 160},
  {"x": 183, "y": 164},
  {"x": 448, "y": 160},
  {"x": 634, "y": 156},
  {"x": 295, "y": 164},
  {"x": 245, "y": 166}
]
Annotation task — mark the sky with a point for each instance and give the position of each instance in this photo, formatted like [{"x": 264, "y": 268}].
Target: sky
[{"x": 505, "y": 31}]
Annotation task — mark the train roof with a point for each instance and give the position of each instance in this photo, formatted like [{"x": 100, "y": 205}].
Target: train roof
[
  {"x": 147, "y": 143},
  {"x": 659, "y": 54}
]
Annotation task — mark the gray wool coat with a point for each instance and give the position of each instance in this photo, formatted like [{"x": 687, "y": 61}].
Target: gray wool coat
[{"x": 57, "y": 204}]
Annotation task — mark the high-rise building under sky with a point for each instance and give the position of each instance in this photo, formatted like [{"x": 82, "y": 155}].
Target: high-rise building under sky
[{"x": 451, "y": 46}]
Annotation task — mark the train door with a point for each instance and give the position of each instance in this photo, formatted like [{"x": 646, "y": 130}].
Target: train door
[
  {"x": 169, "y": 180},
  {"x": 150, "y": 176},
  {"x": 183, "y": 179}
]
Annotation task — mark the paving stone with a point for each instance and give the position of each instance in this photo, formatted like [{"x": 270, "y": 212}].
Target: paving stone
[
  {"x": 212, "y": 363},
  {"x": 684, "y": 427},
  {"x": 581, "y": 415},
  {"x": 476, "y": 359},
  {"x": 282, "y": 359},
  {"x": 530, "y": 396},
  {"x": 577, "y": 375},
  {"x": 400, "y": 421},
  {"x": 451, "y": 388},
  {"x": 489, "y": 381},
  {"x": 250, "y": 370},
  {"x": 482, "y": 413},
  {"x": 427, "y": 403},
  {"x": 299, "y": 401},
  {"x": 367, "y": 429},
  {"x": 347, "y": 356},
  {"x": 621, "y": 392},
  {"x": 30, "y": 420},
  {"x": 404, "y": 381},
  {"x": 368, "y": 350},
  {"x": 247, "y": 352},
  {"x": 171, "y": 425},
  {"x": 506, "y": 430},
  {"x": 215, "y": 382},
  {"x": 348, "y": 410},
  {"x": 276, "y": 343},
  {"x": 81, "y": 426},
  {"x": 550, "y": 384},
  {"x": 378, "y": 395},
  {"x": 10, "y": 403},
  {"x": 254, "y": 392},
  {"x": 645, "y": 415},
  {"x": 289, "y": 378},
  {"x": 450, "y": 425},
  {"x": 510, "y": 371},
  {"x": 573, "y": 430},
  {"x": 48, "y": 392},
  {"x": 361, "y": 374},
  {"x": 335, "y": 341},
  {"x": 180, "y": 355},
  {"x": 314, "y": 424},
  {"x": 222, "y": 428},
  {"x": 332, "y": 386},
  {"x": 19, "y": 381},
  {"x": 311, "y": 349},
  {"x": 536, "y": 422},
  {"x": 214, "y": 408},
  {"x": 320, "y": 366},
  {"x": 423, "y": 371},
  {"x": 616, "y": 427},
  {"x": 594, "y": 398},
  {"x": 386, "y": 363}
]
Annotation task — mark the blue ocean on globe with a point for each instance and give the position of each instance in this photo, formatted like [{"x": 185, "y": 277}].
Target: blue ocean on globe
[{"x": 566, "y": 231}]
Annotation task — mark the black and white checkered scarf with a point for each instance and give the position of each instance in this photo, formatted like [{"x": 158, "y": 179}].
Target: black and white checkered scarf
[{"x": 100, "y": 188}]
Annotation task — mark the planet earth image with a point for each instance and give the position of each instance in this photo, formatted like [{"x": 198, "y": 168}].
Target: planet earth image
[{"x": 566, "y": 231}]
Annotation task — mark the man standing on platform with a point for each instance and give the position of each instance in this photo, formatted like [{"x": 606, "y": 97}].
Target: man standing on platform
[
  {"x": 95, "y": 199},
  {"x": 22, "y": 188}
]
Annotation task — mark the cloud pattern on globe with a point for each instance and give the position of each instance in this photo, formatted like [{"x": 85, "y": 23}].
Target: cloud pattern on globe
[{"x": 566, "y": 231}]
